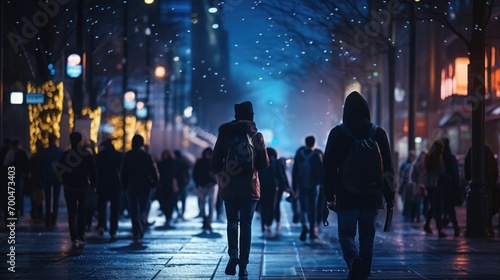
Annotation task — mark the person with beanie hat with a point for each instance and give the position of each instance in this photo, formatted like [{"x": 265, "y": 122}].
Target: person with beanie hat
[
  {"x": 239, "y": 190},
  {"x": 243, "y": 111}
]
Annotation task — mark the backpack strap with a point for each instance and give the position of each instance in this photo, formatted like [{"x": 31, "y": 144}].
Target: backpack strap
[
  {"x": 371, "y": 134},
  {"x": 373, "y": 130},
  {"x": 347, "y": 131}
]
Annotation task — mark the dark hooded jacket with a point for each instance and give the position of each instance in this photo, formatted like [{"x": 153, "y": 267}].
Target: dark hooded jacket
[
  {"x": 240, "y": 186},
  {"x": 357, "y": 118}
]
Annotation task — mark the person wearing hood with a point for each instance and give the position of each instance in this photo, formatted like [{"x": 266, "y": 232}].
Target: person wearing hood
[
  {"x": 355, "y": 211},
  {"x": 239, "y": 190}
]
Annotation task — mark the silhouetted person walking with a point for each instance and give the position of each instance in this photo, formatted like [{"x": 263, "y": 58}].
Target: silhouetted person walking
[
  {"x": 490, "y": 178},
  {"x": 206, "y": 187},
  {"x": 183, "y": 167},
  {"x": 452, "y": 194},
  {"x": 51, "y": 184},
  {"x": 435, "y": 180},
  {"x": 168, "y": 188},
  {"x": 139, "y": 174},
  {"x": 238, "y": 154},
  {"x": 273, "y": 182},
  {"x": 108, "y": 162},
  {"x": 356, "y": 212},
  {"x": 77, "y": 171},
  {"x": 306, "y": 179}
]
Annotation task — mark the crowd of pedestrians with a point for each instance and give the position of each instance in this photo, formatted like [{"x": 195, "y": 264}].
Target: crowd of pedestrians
[{"x": 239, "y": 176}]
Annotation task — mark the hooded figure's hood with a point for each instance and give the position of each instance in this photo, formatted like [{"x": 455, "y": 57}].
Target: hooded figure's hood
[
  {"x": 237, "y": 127},
  {"x": 356, "y": 109}
]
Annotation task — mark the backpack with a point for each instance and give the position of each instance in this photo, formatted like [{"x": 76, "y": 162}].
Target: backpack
[
  {"x": 305, "y": 171},
  {"x": 240, "y": 158},
  {"x": 362, "y": 170}
]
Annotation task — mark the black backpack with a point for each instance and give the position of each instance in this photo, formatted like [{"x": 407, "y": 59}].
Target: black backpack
[
  {"x": 240, "y": 158},
  {"x": 363, "y": 170}
]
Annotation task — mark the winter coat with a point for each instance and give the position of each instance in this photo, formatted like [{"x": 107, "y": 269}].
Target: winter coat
[
  {"x": 50, "y": 155},
  {"x": 315, "y": 177},
  {"x": 202, "y": 174},
  {"x": 76, "y": 169},
  {"x": 108, "y": 163},
  {"x": 139, "y": 170},
  {"x": 239, "y": 186},
  {"x": 273, "y": 177},
  {"x": 356, "y": 117}
]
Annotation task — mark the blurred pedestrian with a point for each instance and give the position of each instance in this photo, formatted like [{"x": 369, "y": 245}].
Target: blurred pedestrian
[
  {"x": 77, "y": 170},
  {"x": 415, "y": 192},
  {"x": 272, "y": 183},
  {"x": 168, "y": 187},
  {"x": 51, "y": 183},
  {"x": 34, "y": 184},
  {"x": 183, "y": 176},
  {"x": 138, "y": 174},
  {"x": 405, "y": 189},
  {"x": 452, "y": 194},
  {"x": 356, "y": 212},
  {"x": 206, "y": 188},
  {"x": 238, "y": 154},
  {"x": 109, "y": 188},
  {"x": 490, "y": 179},
  {"x": 307, "y": 177},
  {"x": 435, "y": 179}
]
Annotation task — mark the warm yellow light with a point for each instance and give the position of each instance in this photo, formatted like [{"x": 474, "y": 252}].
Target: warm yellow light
[
  {"x": 45, "y": 118},
  {"x": 460, "y": 77},
  {"x": 496, "y": 82},
  {"x": 149, "y": 1},
  {"x": 160, "y": 72}
]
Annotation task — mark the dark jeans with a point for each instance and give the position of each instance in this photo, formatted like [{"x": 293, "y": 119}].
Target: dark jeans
[
  {"x": 138, "y": 203},
  {"x": 113, "y": 196},
  {"x": 181, "y": 197},
  {"x": 76, "y": 201},
  {"x": 267, "y": 202},
  {"x": 52, "y": 192},
  {"x": 308, "y": 205},
  {"x": 239, "y": 211},
  {"x": 436, "y": 207},
  {"x": 364, "y": 221}
]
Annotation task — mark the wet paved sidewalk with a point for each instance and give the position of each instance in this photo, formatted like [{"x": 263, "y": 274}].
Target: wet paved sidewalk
[{"x": 187, "y": 253}]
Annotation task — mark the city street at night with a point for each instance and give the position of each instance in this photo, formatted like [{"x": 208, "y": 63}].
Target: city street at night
[
  {"x": 147, "y": 139},
  {"x": 187, "y": 253}
]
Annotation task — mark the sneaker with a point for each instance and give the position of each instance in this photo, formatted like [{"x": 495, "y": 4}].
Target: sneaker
[
  {"x": 243, "y": 271},
  {"x": 355, "y": 269},
  {"x": 75, "y": 244},
  {"x": 112, "y": 238},
  {"x": 231, "y": 266},
  {"x": 303, "y": 234}
]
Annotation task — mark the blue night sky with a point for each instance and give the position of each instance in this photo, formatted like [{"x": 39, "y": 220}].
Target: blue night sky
[{"x": 290, "y": 113}]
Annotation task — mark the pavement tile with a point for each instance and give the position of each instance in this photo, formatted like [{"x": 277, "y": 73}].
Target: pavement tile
[{"x": 187, "y": 252}]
